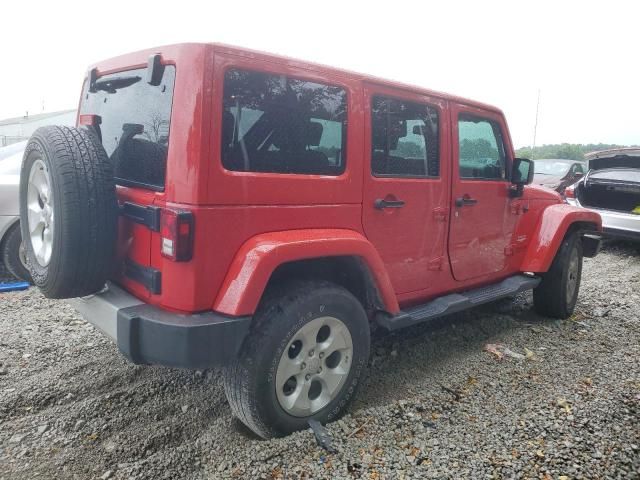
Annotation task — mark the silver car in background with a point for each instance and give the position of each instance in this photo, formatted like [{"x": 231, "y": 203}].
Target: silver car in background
[
  {"x": 11, "y": 252},
  {"x": 611, "y": 187}
]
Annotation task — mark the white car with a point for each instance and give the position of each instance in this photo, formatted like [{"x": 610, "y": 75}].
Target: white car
[
  {"x": 11, "y": 251},
  {"x": 611, "y": 187}
]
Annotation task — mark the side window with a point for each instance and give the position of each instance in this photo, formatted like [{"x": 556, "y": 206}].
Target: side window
[
  {"x": 404, "y": 139},
  {"x": 277, "y": 124},
  {"x": 577, "y": 168},
  {"x": 481, "y": 150}
]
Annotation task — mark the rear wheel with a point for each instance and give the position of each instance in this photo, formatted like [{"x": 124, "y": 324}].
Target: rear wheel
[
  {"x": 303, "y": 359},
  {"x": 557, "y": 293},
  {"x": 13, "y": 254}
]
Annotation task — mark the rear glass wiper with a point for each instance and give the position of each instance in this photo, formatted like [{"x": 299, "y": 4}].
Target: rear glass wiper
[{"x": 110, "y": 85}]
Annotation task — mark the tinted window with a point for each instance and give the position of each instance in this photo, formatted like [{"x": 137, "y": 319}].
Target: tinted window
[
  {"x": 278, "y": 124},
  {"x": 404, "y": 138},
  {"x": 481, "y": 153},
  {"x": 135, "y": 123}
]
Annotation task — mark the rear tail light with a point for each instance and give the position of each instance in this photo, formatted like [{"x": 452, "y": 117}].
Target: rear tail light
[
  {"x": 570, "y": 191},
  {"x": 176, "y": 232}
]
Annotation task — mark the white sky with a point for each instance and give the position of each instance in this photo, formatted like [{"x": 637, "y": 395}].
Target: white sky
[{"x": 583, "y": 56}]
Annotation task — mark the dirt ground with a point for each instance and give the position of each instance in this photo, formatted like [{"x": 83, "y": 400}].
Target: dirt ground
[{"x": 563, "y": 402}]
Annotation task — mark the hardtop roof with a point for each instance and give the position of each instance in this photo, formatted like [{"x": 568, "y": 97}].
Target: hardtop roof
[
  {"x": 247, "y": 52},
  {"x": 138, "y": 59}
]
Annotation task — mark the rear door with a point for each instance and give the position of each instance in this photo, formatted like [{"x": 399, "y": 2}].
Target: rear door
[
  {"x": 405, "y": 200},
  {"x": 481, "y": 220},
  {"x": 132, "y": 119}
]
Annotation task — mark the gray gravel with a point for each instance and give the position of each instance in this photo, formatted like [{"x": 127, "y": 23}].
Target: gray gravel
[{"x": 434, "y": 405}]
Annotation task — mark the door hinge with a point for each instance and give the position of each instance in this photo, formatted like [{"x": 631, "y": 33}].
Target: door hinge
[
  {"x": 440, "y": 214},
  {"x": 435, "y": 264},
  {"x": 518, "y": 208}
]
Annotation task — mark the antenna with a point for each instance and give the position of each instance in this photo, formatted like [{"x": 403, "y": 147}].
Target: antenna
[{"x": 535, "y": 125}]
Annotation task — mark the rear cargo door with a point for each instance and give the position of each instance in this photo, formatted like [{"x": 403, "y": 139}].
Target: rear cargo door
[{"x": 131, "y": 113}]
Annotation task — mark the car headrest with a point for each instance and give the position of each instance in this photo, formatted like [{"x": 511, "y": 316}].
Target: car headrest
[{"x": 314, "y": 133}]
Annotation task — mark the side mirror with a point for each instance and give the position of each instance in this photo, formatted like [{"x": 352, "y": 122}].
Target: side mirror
[
  {"x": 522, "y": 171},
  {"x": 521, "y": 175}
]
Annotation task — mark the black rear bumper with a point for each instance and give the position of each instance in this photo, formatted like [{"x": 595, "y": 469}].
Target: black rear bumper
[
  {"x": 149, "y": 335},
  {"x": 146, "y": 334}
]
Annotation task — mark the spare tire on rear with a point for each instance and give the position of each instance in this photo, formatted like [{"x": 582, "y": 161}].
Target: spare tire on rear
[{"x": 68, "y": 211}]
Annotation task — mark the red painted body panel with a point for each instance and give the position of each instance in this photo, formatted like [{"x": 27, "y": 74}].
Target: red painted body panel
[
  {"x": 554, "y": 223},
  {"x": 220, "y": 233},
  {"x": 246, "y": 224},
  {"x": 479, "y": 234},
  {"x": 260, "y": 256},
  {"x": 411, "y": 240}
]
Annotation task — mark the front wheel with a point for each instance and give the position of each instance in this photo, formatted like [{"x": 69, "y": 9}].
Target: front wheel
[
  {"x": 557, "y": 293},
  {"x": 303, "y": 359}
]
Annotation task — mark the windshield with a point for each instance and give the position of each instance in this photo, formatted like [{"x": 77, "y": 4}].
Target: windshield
[
  {"x": 551, "y": 168},
  {"x": 135, "y": 118}
]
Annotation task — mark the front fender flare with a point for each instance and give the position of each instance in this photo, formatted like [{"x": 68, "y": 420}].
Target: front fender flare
[
  {"x": 259, "y": 256},
  {"x": 552, "y": 227}
]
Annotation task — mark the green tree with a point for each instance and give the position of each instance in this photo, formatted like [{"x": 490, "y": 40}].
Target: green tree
[{"x": 571, "y": 151}]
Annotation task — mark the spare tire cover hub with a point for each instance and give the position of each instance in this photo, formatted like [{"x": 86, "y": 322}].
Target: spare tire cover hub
[{"x": 40, "y": 212}]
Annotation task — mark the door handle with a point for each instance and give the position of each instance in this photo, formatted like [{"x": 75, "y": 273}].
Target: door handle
[
  {"x": 465, "y": 201},
  {"x": 381, "y": 203}
]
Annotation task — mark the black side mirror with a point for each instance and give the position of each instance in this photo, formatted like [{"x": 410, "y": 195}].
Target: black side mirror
[
  {"x": 522, "y": 171},
  {"x": 521, "y": 175}
]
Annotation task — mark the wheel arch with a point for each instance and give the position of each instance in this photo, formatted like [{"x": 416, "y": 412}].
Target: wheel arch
[
  {"x": 342, "y": 256},
  {"x": 555, "y": 223}
]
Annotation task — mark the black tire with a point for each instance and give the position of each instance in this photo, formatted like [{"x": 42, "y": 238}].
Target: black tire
[
  {"x": 250, "y": 382},
  {"x": 554, "y": 297},
  {"x": 11, "y": 254},
  {"x": 85, "y": 211}
]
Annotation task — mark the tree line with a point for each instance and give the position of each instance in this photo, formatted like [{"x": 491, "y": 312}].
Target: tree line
[{"x": 571, "y": 151}]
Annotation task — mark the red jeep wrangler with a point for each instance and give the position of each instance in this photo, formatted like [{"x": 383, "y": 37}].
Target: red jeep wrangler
[{"x": 222, "y": 207}]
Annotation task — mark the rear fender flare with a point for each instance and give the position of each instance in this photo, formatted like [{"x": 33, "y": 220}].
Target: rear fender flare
[
  {"x": 553, "y": 225},
  {"x": 259, "y": 257}
]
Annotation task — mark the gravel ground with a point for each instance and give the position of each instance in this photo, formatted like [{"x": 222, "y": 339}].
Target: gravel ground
[{"x": 435, "y": 404}]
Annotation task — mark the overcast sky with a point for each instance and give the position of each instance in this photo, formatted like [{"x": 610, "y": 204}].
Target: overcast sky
[{"x": 583, "y": 56}]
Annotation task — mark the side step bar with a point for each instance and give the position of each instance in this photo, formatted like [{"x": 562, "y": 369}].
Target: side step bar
[{"x": 457, "y": 302}]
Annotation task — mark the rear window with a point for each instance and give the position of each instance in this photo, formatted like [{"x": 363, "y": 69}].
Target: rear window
[
  {"x": 277, "y": 124},
  {"x": 135, "y": 119}
]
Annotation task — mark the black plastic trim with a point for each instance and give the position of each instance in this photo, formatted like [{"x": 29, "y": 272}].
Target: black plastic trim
[
  {"x": 150, "y": 335},
  {"x": 147, "y": 215},
  {"x": 155, "y": 70},
  {"x": 93, "y": 77},
  {"x": 457, "y": 302},
  {"x": 147, "y": 276},
  {"x": 591, "y": 243}
]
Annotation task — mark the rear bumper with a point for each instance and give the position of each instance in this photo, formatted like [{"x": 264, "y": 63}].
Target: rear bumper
[
  {"x": 615, "y": 224},
  {"x": 149, "y": 335}
]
